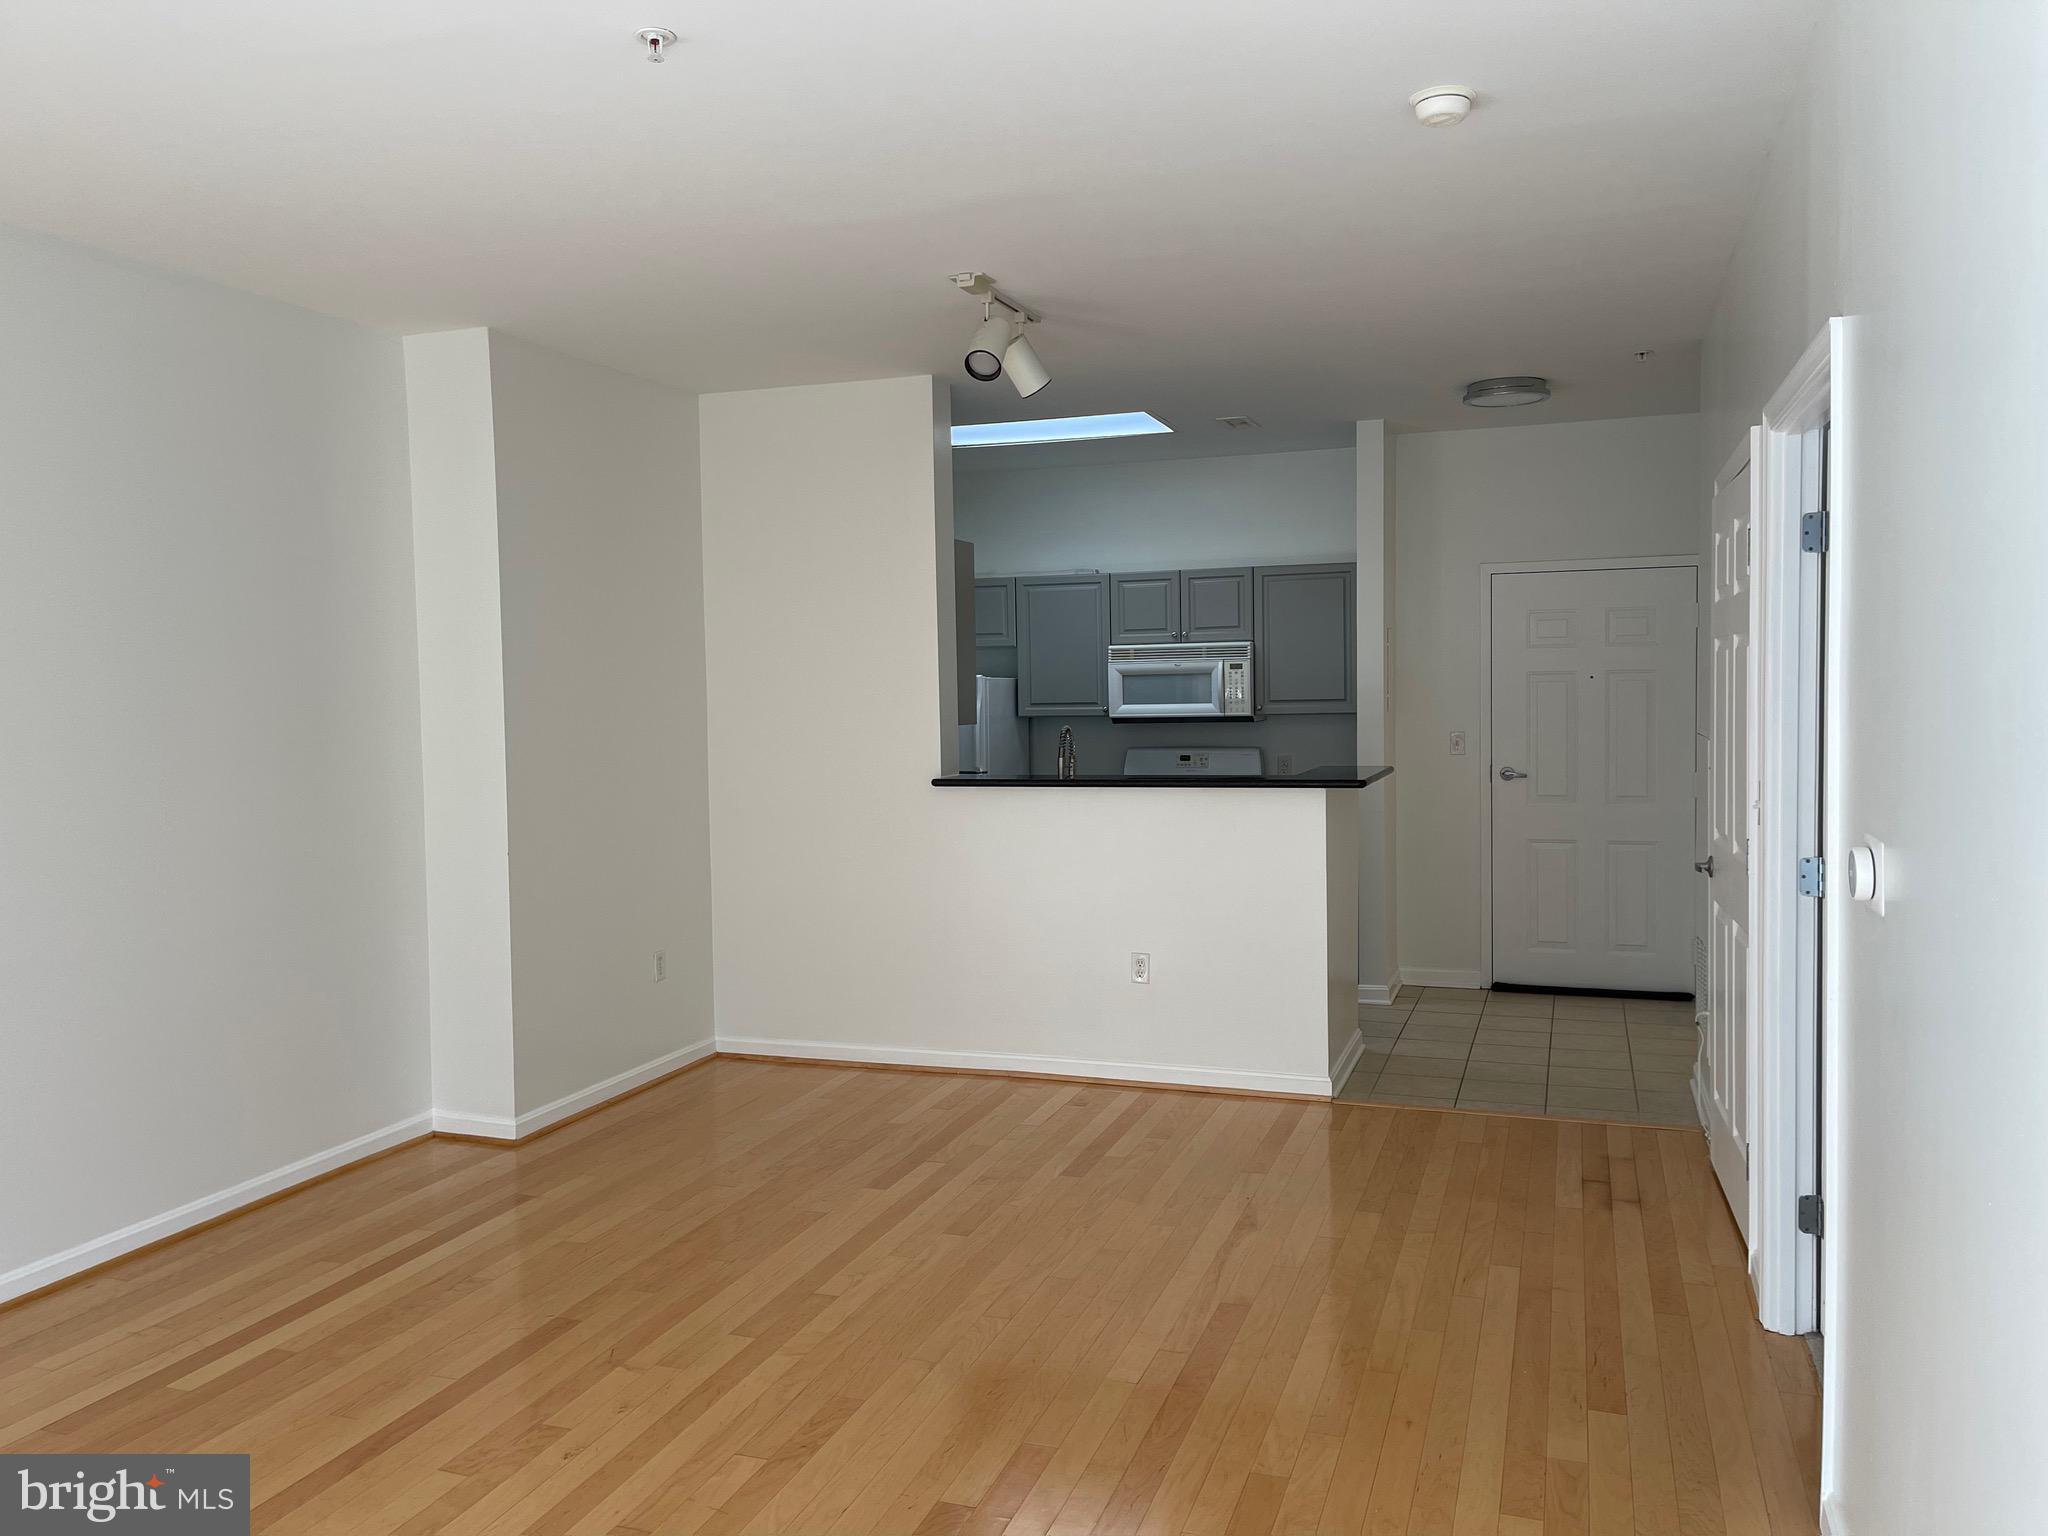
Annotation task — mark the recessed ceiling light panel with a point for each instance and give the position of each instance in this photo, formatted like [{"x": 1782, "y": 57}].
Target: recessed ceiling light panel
[
  {"x": 1513, "y": 389},
  {"x": 1057, "y": 429}
]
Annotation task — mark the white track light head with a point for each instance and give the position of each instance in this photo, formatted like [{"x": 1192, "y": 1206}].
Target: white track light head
[
  {"x": 1026, "y": 372},
  {"x": 985, "y": 352}
]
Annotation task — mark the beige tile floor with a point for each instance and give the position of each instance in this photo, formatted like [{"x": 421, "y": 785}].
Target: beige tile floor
[{"x": 1584, "y": 1058}]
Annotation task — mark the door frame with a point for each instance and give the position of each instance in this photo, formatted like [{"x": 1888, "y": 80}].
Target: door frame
[
  {"x": 1795, "y": 942},
  {"x": 1515, "y": 568}
]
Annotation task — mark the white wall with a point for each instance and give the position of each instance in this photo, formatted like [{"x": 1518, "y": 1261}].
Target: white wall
[
  {"x": 1462, "y": 500},
  {"x": 599, "y": 550},
  {"x": 859, "y": 911},
  {"x": 212, "y": 920},
  {"x": 1928, "y": 227},
  {"x": 1270, "y": 508},
  {"x": 453, "y": 447}
]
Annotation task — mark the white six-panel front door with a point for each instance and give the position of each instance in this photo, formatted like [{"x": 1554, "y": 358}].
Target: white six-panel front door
[{"x": 1592, "y": 777}]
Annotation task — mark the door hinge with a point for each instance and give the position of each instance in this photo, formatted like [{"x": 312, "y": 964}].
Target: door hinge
[
  {"x": 1813, "y": 532},
  {"x": 1813, "y": 876},
  {"x": 1810, "y": 1215}
]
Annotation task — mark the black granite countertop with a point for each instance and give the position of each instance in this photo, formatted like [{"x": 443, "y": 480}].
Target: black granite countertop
[{"x": 1339, "y": 776}]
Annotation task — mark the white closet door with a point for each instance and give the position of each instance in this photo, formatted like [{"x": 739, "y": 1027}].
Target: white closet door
[
  {"x": 1731, "y": 810},
  {"x": 1591, "y": 777}
]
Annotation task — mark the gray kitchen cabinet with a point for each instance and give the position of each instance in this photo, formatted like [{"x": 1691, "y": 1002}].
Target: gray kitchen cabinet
[
  {"x": 1165, "y": 607},
  {"x": 1306, "y": 662},
  {"x": 1216, "y": 605},
  {"x": 1144, "y": 608},
  {"x": 1062, "y": 645},
  {"x": 995, "y": 610}
]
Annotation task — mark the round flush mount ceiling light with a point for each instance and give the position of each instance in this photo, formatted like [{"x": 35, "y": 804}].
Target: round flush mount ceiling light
[
  {"x": 1441, "y": 105},
  {"x": 1515, "y": 389},
  {"x": 658, "y": 40}
]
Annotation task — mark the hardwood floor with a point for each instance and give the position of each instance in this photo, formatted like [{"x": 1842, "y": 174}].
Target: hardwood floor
[{"x": 820, "y": 1300}]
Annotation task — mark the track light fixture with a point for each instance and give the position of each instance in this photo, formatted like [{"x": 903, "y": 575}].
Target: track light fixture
[{"x": 999, "y": 347}]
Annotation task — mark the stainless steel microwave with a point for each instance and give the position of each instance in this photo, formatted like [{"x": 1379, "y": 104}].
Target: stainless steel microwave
[{"x": 1180, "y": 682}]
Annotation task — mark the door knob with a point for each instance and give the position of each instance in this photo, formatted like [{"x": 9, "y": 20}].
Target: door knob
[
  {"x": 1511, "y": 774},
  {"x": 1705, "y": 866}
]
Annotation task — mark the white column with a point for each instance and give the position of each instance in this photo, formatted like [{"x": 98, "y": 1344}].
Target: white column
[
  {"x": 1377, "y": 951},
  {"x": 462, "y": 728},
  {"x": 559, "y": 607}
]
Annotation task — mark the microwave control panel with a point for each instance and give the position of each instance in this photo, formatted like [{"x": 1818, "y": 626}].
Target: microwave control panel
[{"x": 1237, "y": 699}]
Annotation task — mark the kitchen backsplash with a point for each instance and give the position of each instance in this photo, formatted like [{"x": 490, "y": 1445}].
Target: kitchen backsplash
[{"x": 1100, "y": 743}]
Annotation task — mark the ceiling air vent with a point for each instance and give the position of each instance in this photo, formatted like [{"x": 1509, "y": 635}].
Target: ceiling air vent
[{"x": 1235, "y": 423}]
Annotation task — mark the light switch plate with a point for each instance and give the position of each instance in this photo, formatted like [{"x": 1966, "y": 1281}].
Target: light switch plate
[{"x": 1457, "y": 743}]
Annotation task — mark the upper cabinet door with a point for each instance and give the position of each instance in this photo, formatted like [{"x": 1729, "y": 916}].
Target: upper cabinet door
[
  {"x": 1307, "y": 657},
  {"x": 995, "y": 611},
  {"x": 1216, "y": 605},
  {"x": 1144, "y": 608},
  {"x": 1062, "y": 645}
]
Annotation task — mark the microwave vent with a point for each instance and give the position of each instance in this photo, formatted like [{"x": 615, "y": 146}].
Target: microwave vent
[{"x": 1230, "y": 650}]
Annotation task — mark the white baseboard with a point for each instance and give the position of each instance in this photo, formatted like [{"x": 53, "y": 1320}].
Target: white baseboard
[
  {"x": 1346, "y": 1060},
  {"x": 1413, "y": 977},
  {"x": 1831, "y": 1521},
  {"x": 504, "y": 1128},
  {"x": 1378, "y": 994},
  {"x": 1159, "y": 1074},
  {"x": 494, "y": 1127},
  {"x": 38, "y": 1273},
  {"x": 612, "y": 1087}
]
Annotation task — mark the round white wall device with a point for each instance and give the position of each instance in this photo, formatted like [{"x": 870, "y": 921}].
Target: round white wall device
[{"x": 1441, "y": 105}]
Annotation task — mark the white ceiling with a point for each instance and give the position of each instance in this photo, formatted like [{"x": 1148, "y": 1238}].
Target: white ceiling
[{"x": 1221, "y": 208}]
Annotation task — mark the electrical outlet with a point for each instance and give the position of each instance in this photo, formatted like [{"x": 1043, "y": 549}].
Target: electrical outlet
[
  {"x": 1285, "y": 762},
  {"x": 1457, "y": 743},
  {"x": 661, "y": 965},
  {"x": 1141, "y": 967}
]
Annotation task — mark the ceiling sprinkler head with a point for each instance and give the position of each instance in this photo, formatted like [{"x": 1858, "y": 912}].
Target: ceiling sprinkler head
[{"x": 658, "y": 41}]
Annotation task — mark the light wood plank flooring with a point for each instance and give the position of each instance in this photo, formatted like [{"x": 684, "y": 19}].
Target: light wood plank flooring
[{"x": 781, "y": 1298}]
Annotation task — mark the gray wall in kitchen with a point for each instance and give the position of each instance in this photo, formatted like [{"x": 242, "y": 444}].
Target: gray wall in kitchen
[{"x": 1178, "y": 513}]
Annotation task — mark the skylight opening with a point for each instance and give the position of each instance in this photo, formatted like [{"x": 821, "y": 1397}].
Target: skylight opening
[{"x": 1058, "y": 429}]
